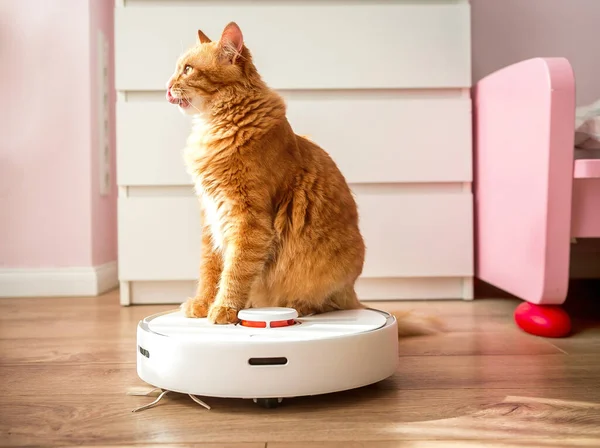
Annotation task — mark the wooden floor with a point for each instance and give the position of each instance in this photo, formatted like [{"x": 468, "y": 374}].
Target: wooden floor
[{"x": 66, "y": 366}]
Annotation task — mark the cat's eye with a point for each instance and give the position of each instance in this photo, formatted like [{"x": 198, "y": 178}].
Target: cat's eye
[{"x": 187, "y": 69}]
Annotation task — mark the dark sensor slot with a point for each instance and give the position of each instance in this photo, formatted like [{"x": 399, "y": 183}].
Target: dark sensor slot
[
  {"x": 144, "y": 352},
  {"x": 281, "y": 361}
]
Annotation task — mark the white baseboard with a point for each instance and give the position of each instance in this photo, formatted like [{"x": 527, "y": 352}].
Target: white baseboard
[
  {"x": 60, "y": 282},
  {"x": 368, "y": 289}
]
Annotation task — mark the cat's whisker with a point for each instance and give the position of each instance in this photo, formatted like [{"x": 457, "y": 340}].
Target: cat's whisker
[
  {"x": 187, "y": 98},
  {"x": 182, "y": 90}
]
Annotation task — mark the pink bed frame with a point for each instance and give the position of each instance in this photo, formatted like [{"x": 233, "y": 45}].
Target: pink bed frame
[{"x": 532, "y": 195}]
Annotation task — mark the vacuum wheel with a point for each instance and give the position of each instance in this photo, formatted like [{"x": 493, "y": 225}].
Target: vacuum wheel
[{"x": 268, "y": 403}]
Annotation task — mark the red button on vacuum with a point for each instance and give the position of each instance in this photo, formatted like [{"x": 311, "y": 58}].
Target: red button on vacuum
[{"x": 275, "y": 317}]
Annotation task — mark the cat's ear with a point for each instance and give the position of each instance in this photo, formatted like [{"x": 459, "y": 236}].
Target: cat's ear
[
  {"x": 203, "y": 38},
  {"x": 231, "y": 43}
]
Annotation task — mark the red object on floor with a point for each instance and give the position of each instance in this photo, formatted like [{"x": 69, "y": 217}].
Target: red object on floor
[{"x": 549, "y": 321}]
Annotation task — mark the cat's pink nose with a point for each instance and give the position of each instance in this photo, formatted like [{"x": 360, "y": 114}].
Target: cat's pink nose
[
  {"x": 169, "y": 85},
  {"x": 170, "y": 98}
]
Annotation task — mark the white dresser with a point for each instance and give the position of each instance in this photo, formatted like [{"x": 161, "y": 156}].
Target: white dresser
[{"x": 383, "y": 86}]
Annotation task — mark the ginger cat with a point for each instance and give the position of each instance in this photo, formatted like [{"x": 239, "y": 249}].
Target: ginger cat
[{"x": 280, "y": 224}]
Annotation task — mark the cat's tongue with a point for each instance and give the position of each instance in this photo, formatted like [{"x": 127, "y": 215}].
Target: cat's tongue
[{"x": 180, "y": 102}]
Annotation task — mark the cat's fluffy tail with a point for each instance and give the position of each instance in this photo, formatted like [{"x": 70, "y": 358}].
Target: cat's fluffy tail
[{"x": 413, "y": 323}]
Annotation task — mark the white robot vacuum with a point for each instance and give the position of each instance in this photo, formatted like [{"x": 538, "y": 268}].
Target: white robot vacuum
[{"x": 269, "y": 355}]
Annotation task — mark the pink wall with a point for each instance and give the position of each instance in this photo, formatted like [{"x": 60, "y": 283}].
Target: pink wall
[
  {"x": 507, "y": 31},
  {"x": 51, "y": 215},
  {"x": 104, "y": 215}
]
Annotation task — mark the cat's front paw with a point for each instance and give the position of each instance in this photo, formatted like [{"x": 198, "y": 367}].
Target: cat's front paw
[
  {"x": 195, "y": 307},
  {"x": 219, "y": 314}
]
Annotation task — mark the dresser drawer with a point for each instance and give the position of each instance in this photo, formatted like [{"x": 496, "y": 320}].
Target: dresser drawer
[
  {"x": 417, "y": 235},
  {"x": 374, "y": 137},
  {"x": 159, "y": 238},
  {"x": 407, "y": 235},
  {"x": 328, "y": 45}
]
